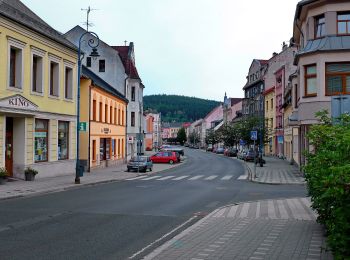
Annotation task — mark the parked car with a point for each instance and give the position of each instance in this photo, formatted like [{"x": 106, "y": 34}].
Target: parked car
[
  {"x": 220, "y": 150},
  {"x": 164, "y": 157},
  {"x": 209, "y": 149},
  {"x": 241, "y": 154},
  {"x": 249, "y": 156},
  {"x": 174, "y": 149},
  {"x": 232, "y": 152},
  {"x": 140, "y": 163}
]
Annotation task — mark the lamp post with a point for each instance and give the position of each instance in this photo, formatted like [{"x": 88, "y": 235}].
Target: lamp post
[{"x": 93, "y": 43}]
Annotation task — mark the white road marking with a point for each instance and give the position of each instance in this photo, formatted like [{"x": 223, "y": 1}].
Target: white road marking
[
  {"x": 242, "y": 177},
  {"x": 150, "y": 178},
  {"x": 165, "y": 178},
  {"x": 196, "y": 177},
  {"x": 212, "y": 177},
  {"x": 180, "y": 178},
  {"x": 135, "y": 178},
  {"x": 227, "y": 177}
]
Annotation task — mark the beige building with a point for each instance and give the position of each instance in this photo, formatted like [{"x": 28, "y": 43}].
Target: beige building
[
  {"x": 270, "y": 124},
  {"x": 321, "y": 32}
]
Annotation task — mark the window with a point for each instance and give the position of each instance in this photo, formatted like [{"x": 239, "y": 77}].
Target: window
[
  {"x": 122, "y": 123},
  {"x": 118, "y": 147},
  {"x": 115, "y": 116},
  {"x": 114, "y": 150},
  {"x": 15, "y": 73},
  {"x": 343, "y": 23},
  {"x": 100, "y": 118},
  {"x": 63, "y": 140},
  {"x": 132, "y": 93},
  {"x": 101, "y": 66},
  {"x": 320, "y": 26},
  {"x": 41, "y": 140},
  {"x": 271, "y": 103},
  {"x": 118, "y": 116},
  {"x": 54, "y": 79},
  {"x": 337, "y": 79},
  {"x": 310, "y": 81},
  {"x": 111, "y": 115},
  {"x": 93, "y": 150},
  {"x": 88, "y": 62},
  {"x": 296, "y": 95},
  {"x": 68, "y": 83},
  {"x": 37, "y": 74},
  {"x": 106, "y": 113},
  {"x": 132, "y": 118},
  {"x": 94, "y": 110},
  {"x": 267, "y": 105}
]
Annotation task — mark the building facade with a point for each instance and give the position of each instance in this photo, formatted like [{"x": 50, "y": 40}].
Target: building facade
[
  {"x": 38, "y": 74},
  {"x": 321, "y": 33},
  {"x": 103, "y": 141}
]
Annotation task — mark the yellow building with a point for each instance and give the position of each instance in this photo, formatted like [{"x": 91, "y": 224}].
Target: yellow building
[
  {"x": 37, "y": 94},
  {"x": 270, "y": 125},
  {"x": 103, "y": 143}
]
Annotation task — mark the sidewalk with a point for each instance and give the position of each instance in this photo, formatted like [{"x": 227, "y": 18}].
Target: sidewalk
[
  {"x": 268, "y": 229},
  {"x": 275, "y": 171},
  {"x": 21, "y": 188}
]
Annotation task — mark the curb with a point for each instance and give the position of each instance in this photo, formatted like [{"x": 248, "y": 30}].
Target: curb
[{"x": 81, "y": 185}]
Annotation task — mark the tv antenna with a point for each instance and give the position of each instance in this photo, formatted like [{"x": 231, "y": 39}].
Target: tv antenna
[{"x": 87, "y": 23}]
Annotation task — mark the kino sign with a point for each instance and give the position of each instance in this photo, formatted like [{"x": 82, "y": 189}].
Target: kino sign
[{"x": 18, "y": 101}]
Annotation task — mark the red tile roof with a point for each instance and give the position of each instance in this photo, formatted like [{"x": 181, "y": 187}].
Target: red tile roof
[{"x": 124, "y": 53}]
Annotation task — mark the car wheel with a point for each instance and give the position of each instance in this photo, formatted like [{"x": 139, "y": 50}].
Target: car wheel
[
  {"x": 150, "y": 169},
  {"x": 171, "y": 161}
]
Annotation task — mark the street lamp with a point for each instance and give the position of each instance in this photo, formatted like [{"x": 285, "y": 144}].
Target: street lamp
[{"x": 93, "y": 43}]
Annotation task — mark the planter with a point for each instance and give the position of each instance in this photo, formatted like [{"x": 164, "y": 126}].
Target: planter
[
  {"x": 29, "y": 176},
  {"x": 2, "y": 180}
]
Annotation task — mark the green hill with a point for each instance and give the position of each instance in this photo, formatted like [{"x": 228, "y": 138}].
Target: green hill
[{"x": 176, "y": 108}]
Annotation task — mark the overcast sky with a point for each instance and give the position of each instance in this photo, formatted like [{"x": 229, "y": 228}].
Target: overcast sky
[{"x": 200, "y": 48}]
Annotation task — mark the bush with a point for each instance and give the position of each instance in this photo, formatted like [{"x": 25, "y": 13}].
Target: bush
[
  {"x": 328, "y": 180},
  {"x": 3, "y": 172},
  {"x": 30, "y": 171}
]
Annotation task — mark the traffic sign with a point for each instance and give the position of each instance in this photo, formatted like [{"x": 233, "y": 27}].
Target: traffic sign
[
  {"x": 254, "y": 135},
  {"x": 241, "y": 142},
  {"x": 82, "y": 126}
]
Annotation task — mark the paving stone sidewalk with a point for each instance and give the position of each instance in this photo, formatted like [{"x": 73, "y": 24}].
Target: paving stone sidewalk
[
  {"x": 21, "y": 188},
  {"x": 268, "y": 229},
  {"x": 276, "y": 171}
]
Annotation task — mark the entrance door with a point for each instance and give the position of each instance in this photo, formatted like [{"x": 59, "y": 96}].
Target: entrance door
[
  {"x": 9, "y": 146},
  {"x": 102, "y": 149}
]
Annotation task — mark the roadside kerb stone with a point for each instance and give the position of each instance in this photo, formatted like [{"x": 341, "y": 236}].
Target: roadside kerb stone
[{"x": 21, "y": 188}]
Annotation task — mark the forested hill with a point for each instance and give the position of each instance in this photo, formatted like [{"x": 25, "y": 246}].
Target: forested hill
[{"x": 174, "y": 108}]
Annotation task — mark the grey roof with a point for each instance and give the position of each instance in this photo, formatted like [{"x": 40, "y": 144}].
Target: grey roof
[
  {"x": 328, "y": 43},
  {"x": 101, "y": 83},
  {"x": 16, "y": 11},
  {"x": 300, "y": 5}
]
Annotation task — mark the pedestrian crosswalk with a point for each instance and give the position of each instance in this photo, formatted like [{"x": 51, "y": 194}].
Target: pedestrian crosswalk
[{"x": 182, "y": 177}]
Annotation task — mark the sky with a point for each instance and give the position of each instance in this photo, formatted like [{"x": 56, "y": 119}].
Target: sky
[{"x": 198, "y": 48}]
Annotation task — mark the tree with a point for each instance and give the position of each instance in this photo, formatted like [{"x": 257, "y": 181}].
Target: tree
[
  {"x": 212, "y": 137},
  {"x": 194, "y": 137},
  {"x": 181, "y": 136},
  {"x": 229, "y": 135},
  {"x": 328, "y": 179}
]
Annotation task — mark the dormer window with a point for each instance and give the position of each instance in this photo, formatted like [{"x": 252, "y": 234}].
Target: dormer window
[
  {"x": 343, "y": 23},
  {"x": 320, "y": 26}
]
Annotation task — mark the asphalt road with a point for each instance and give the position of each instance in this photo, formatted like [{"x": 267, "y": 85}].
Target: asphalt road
[{"x": 117, "y": 220}]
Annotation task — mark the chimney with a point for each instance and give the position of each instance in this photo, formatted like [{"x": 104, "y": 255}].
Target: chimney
[
  {"x": 274, "y": 54},
  {"x": 284, "y": 46}
]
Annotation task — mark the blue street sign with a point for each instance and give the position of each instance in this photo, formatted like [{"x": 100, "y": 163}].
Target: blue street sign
[
  {"x": 241, "y": 142},
  {"x": 254, "y": 135}
]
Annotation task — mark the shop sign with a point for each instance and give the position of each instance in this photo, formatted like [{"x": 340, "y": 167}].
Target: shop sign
[
  {"x": 18, "y": 101},
  {"x": 280, "y": 139},
  {"x": 40, "y": 134},
  {"x": 130, "y": 139},
  {"x": 106, "y": 130}
]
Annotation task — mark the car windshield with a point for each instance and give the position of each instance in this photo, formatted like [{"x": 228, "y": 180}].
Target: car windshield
[{"x": 140, "y": 159}]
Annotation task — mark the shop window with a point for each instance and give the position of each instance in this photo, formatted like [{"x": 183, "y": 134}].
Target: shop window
[
  {"x": 310, "y": 81},
  {"x": 106, "y": 113},
  {"x": 93, "y": 150},
  {"x": 337, "y": 79},
  {"x": 132, "y": 118},
  {"x": 54, "y": 79},
  {"x": 37, "y": 74},
  {"x": 68, "y": 83},
  {"x": 94, "y": 110},
  {"x": 118, "y": 147},
  {"x": 63, "y": 140},
  {"x": 41, "y": 140},
  {"x": 113, "y": 147},
  {"x": 101, "y": 65},
  {"x": 15, "y": 73}
]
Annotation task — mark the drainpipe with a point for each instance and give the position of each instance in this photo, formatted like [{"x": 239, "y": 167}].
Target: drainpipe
[
  {"x": 126, "y": 120},
  {"x": 89, "y": 146}
]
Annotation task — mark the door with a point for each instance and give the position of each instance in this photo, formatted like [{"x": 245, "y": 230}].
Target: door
[{"x": 9, "y": 146}]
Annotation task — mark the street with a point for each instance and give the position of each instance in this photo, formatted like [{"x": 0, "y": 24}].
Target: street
[{"x": 117, "y": 220}]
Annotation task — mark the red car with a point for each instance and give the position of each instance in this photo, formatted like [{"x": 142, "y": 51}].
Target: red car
[{"x": 164, "y": 157}]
